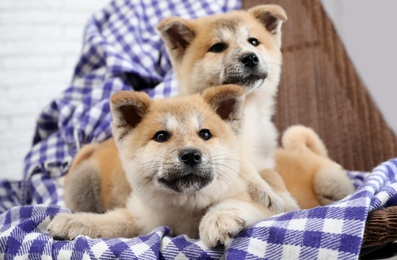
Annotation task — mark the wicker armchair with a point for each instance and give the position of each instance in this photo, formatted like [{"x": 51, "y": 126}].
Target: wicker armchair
[{"x": 320, "y": 88}]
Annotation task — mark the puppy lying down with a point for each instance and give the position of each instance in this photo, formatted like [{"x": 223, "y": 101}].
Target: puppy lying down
[{"x": 182, "y": 160}]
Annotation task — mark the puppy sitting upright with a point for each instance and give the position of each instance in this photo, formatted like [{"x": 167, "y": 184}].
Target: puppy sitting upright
[
  {"x": 182, "y": 158},
  {"x": 242, "y": 48}
]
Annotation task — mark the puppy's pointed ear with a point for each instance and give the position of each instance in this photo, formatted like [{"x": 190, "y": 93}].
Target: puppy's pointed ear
[
  {"x": 177, "y": 34},
  {"x": 228, "y": 102},
  {"x": 128, "y": 108},
  {"x": 272, "y": 17}
]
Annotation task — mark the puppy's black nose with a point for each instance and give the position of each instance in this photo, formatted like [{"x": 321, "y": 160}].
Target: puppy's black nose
[
  {"x": 250, "y": 60},
  {"x": 190, "y": 157}
]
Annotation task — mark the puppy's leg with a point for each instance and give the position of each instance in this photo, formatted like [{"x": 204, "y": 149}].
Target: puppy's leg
[
  {"x": 116, "y": 223},
  {"x": 83, "y": 188},
  {"x": 225, "y": 220},
  {"x": 260, "y": 191},
  {"x": 277, "y": 184},
  {"x": 332, "y": 184}
]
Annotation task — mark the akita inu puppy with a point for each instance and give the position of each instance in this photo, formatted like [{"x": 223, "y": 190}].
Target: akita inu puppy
[
  {"x": 242, "y": 48},
  {"x": 181, "y": 157},
  {"x": 264, "y": 23}
]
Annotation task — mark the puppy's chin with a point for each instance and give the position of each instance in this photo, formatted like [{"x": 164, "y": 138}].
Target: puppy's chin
[
  {"x": 188, "y": 183},
  {"x": 249, "y": 83}
]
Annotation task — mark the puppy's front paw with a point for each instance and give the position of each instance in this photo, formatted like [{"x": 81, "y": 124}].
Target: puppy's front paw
[
  {"x": 69, "y": 226},
  {"x": 270, "y": 200},
  {"x": 289, "y": 202},
  {"x": 219, "y": 227}
]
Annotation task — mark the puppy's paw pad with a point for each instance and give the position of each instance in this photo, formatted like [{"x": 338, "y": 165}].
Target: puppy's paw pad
[{"x": 218, "y": 228}]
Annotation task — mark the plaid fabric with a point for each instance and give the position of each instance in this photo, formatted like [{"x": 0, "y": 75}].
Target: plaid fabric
[
  {"x": 331, "y": 232},
  {"x": 123, "y": 51}
]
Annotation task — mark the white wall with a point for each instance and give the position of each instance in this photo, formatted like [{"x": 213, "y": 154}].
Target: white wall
[
  {"x": 40, "y": 42},
  {"x": 368, "y": 30}
]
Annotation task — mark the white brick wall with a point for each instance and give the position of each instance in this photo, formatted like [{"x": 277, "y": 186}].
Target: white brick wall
[{"x": 40, "y": 42}]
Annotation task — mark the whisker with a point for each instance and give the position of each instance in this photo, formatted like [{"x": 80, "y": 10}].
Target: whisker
[
  {"x": 224, "y": 176},
  {"x": 228, "y": 167}
]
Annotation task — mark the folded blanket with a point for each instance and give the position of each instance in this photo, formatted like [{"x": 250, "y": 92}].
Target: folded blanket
[{"x": 123, "y": 51}]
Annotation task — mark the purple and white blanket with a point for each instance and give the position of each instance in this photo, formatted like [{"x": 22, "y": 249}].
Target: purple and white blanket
[{"x": 123, "y": 51}]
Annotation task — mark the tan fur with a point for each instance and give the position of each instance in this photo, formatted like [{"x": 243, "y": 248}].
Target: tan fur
[
  {"x": 309, "y": 174},
  {"x": 214, "y": 198},
  {"x": 189, "y": 44},
  {"x": 276, "y": 182},
  {"x": 114, "y": 188},
  {"x": 219, "y": 213},
  {"x": 85, "y": 153},
  {"x": 112, "y": 196}
]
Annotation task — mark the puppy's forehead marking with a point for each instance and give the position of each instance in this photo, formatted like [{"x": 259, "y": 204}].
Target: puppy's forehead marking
[
  {"x": 195, "y": 121},
  {"x": 178, "y": 123},
  {"x": 227, "y": 24},
  {"x": 171, "y": 122},
  {"x": 233, "y": 31},
  {"x": 243, "y": 30}
]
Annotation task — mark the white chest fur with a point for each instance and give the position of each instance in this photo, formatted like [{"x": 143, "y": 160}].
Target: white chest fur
[{"x": 259, "y": 135}]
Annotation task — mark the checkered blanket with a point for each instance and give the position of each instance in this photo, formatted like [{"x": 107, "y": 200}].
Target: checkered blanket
[{"x": 123, "y": 51}]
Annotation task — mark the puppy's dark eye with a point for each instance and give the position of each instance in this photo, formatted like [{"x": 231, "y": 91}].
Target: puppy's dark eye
[
  {"x": 253, "y": 41},
  {"x": 218, "y": 47},
  {"x": 161, "y": 136},
  {"x": 205, "y": 134}
]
